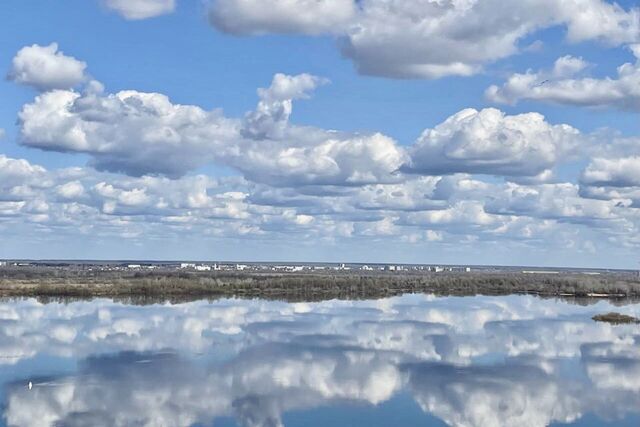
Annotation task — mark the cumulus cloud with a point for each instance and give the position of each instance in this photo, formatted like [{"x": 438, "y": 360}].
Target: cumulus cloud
[
  {"x": 112, "y": 204},
  {"x": 145, "y": 133},
  {"x": 271, "y": 116},
  {"x": 132, "y": 132},
  {"x": 621, "y": 172},
  {"x": 612, "y": 179},
  {"x": 71, "y": 190},
  {"x": 426, "y": 38},
  {"x": 409, "y": 195},
  {"x": 491, "y": 142},
  {"x": 46, "y": 67},
  {"x": 282, "y": 16},
  {"x": 17, "y": 176},
  {"x": 552, "y": 201},
  {"x": 466, "y": 218},
  {"x": 311, "y": 182},
  {"x": 562, "y": 85},
  {"x": 433, "y": 39},
  {"x": 339, "y": 160},
  {"x": 316, "y": 183},
  {"x": 141, "y": 9}
]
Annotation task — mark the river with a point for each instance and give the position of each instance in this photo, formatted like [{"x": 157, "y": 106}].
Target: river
[{"x": 411, "y": 360}]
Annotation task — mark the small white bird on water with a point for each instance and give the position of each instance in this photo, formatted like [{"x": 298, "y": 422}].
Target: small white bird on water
[{"x": 30, "y": 385}]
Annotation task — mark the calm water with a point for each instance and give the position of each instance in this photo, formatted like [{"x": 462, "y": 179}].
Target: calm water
[{"x": 412, "y": 360}]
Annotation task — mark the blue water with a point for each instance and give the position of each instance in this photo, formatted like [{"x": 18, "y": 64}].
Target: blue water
[{"x": 412, "y": 360}]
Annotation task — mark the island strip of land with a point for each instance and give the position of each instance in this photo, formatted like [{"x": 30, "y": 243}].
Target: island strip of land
[{"x": 83, "y": 282}]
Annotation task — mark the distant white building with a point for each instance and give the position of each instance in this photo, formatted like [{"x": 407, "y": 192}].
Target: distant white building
[
  {"x": 3, "y": 263},
  {"x": 366, "y": 268},
  {"x": 241, "y": 267},
  {"x": 187, "y": 265},
  {"x": 203, "y": 268},
  {"x": 134, "y": 266}
]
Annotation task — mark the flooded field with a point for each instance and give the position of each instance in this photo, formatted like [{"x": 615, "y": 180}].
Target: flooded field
[{"x": 409, "y": 360}]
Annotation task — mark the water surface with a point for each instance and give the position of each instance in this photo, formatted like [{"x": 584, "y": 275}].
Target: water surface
[{"x": 412, "y": 360}]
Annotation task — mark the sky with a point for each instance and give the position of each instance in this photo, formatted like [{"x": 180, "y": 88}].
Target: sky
[{"x": 448, "y": 131}]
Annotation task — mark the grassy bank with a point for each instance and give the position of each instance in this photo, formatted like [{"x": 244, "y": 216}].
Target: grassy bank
[
  {"x": 48, "y": 282},
  {"x": 616, "y": 319}
]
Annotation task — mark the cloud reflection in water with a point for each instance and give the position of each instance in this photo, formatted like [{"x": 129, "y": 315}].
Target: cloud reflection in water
[{"x": 483, "y": 361}]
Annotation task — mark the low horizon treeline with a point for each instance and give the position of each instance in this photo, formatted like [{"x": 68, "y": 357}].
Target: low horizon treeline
[{"x": 50, "y": 282}]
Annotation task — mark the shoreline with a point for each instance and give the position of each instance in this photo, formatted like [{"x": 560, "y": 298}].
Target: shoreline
[{"x": 44, "y": 282}]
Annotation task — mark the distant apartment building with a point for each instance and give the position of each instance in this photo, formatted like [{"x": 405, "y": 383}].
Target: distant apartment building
[{"x": 3, "y": 263}]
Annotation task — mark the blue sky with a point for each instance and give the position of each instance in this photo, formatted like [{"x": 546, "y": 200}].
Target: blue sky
[{"x": 313, "y": 184}]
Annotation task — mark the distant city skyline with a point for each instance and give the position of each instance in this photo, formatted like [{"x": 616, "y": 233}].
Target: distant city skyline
[{"x": 370, "y": 131}]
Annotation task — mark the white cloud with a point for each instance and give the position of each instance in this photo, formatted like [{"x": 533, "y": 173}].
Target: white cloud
[
  {"x": 131, "y": 132},
  {"x": 282, "y": 16},
  {"x": 141, "y": 9},
  {"x": 19, "y": 172},
  {"x": 83, "y": 200},
  {"x": 336, "y": 160},
  {"x": 414, "y": 194},
  {"x": 490, "y": 142},
  {"x": 552, "y": 201},
  {"x": 313, "y": 183},
  {"x": 465, "y": 213},
  {"x": 71, "y": 190},
  {"x": 620, "y": 172},
  {"x": 562, "y": 86},
  {"x": 271, "y": 116},
  {"x": 145, "y": 133},
  {"x": 427, "y": 38},
  {"x": 613, "y": 179},
  {"x": 46, "y": 67}
]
